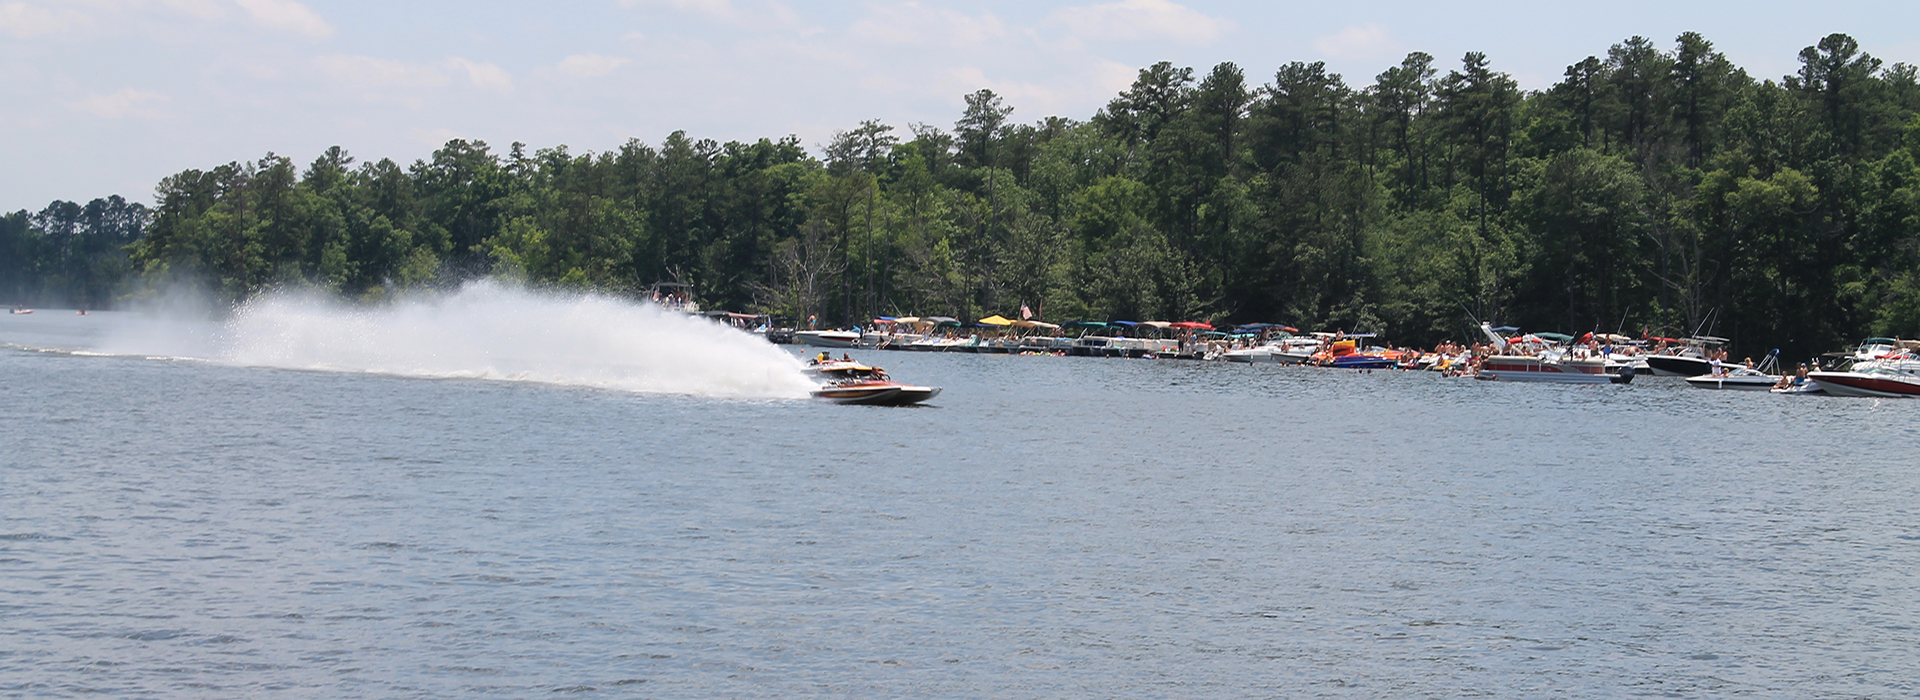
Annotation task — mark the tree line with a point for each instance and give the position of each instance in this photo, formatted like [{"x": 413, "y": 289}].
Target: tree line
[{"x": 1651, "y": 189}]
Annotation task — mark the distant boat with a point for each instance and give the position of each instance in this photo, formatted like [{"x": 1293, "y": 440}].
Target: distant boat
[
  {"x": 1876, "y": 382},
  {"x": 1743, "y": 379},
  {"x": 1689, "y": 360},
  {"x": 1289, "y": 350},
  {"x": 1554, "y": 365},
  {"x": 826, "y": 338},
  {"x": 20, "y": 311},
  {"x": 1524, "y": 368},
  {"x": 1726, "y": 376},
  {"x": 1893, "y": 371}
]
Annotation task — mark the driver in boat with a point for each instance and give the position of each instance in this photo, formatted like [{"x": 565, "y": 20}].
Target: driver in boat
[{"x": 823, "y": 358}]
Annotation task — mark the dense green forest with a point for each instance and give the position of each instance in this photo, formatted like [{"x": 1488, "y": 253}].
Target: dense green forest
[{"x": 1650, "y": 188}]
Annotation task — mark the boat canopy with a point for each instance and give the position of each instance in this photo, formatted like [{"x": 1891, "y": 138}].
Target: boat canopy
[
  {"x": 1034, "y": 324},
  {"x": 995, "y": 320},
  {"x": 1194, "y": 325},
  {"x": 1163, "y": 325},
  {"x": 1085, "y": 324},
  {"x": 906, "y": 319},
  {"x": 1123, "y": 324},
  {"x": 1505, "y": 329},
  {"x": 1555, "y": 337}
]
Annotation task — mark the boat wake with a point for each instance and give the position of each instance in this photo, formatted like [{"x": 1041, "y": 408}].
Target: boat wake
[{"x": 486, "y": 330}]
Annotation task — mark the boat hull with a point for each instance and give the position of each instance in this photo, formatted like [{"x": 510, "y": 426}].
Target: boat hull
[
  {"x": 1529, "y": 369},
  {"x": 877, "y": 394},
  {"x": 828, "y": 339},
  {"x": 1740, "y": 383},
  {"x": 1364, "y": 362},
  {"x": 1675, "y": 366},
  {"x": 1258, "y": 356},
  {"x": 1884, "y": 386}
]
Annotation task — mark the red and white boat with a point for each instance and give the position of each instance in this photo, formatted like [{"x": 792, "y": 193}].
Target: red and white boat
[
  {"x": 854, "y": 383},
  {"x": 1877, "y": 382}
]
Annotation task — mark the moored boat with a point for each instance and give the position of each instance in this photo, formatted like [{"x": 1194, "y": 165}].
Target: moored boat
[
  {"x": 1748, "y": 380},
  {"x": 1876, "y": 382},
  {"x": 1691, "y": 359},
  {"x": 1552, "y": 365},
  {"x": 1739, "y": 377},
  {"x": 1529, "y": 368},
  {"x": 827, "y": 339}
]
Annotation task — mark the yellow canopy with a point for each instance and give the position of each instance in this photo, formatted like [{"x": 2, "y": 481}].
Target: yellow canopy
[
  {"x": 907, "y": 319},
  {"x": 996, "y": 320}
]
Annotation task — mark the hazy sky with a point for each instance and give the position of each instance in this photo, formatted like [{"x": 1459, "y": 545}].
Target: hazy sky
[{"x": 108, "y": 96}]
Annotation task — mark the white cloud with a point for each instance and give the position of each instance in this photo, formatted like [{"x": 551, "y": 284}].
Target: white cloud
[
  {"x": 1135, "y": 20},
  {"x": 433, "y": 138},
  {"x": 366, "y": 71},
  {"x": 1360, "y": 41},
  {"x": 588, "y": 65},
  {"x": 288, "y": 15},
  {"x": 767, "y": 16},
  {"x": 484, "y": 75},
  {"x": 966, "y": 79},
  {"x": 914, "y": 23},
  {"x": 713, "y": 9},
  {"x": 203, "y": 9},
  {"x": 23, "y": 20},
  {"x": 125, "y": 103}
]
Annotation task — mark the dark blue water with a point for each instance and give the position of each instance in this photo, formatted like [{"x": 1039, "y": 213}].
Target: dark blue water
[{"x": 1051, "y": 527}]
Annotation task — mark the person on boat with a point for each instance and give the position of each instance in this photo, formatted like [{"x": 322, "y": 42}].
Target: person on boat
[
  {"x": 823, "y": 358},
  {"x": 844, "y": 357}
]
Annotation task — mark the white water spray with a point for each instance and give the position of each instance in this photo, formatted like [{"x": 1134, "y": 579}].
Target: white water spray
[{"x": 490, "y": 330}]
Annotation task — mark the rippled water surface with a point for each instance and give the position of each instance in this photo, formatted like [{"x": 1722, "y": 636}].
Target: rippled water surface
[{"x": 1052, "y": 527}]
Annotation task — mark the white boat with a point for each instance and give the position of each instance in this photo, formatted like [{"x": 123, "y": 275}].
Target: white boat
[
  {"x": 1555, "y": 365},
  {"x": 1742, "y": 379},
  {"x": 827, "y": 339},
  {"x": 1291, "y": 350},
  {"x": 1802, "y": 386},
  {"x": 1549, "y": 368},
  {"x": 1726, "y": 376}
]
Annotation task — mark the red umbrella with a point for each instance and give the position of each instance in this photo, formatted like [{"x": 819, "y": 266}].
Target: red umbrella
[{"x": 1193, "y": 325}]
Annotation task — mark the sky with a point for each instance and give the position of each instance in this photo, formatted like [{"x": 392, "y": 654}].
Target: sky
[{"x": 108, "y": 96}]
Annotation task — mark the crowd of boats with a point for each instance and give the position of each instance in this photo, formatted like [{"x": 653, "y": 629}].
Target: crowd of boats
[{"x": 1878, "y": 367}]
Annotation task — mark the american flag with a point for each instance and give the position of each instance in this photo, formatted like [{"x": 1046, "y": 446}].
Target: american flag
[{"x": 1026, "y": 314}]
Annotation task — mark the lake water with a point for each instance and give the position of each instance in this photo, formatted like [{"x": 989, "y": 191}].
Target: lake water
[{"x": 1050, "y": 527}]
